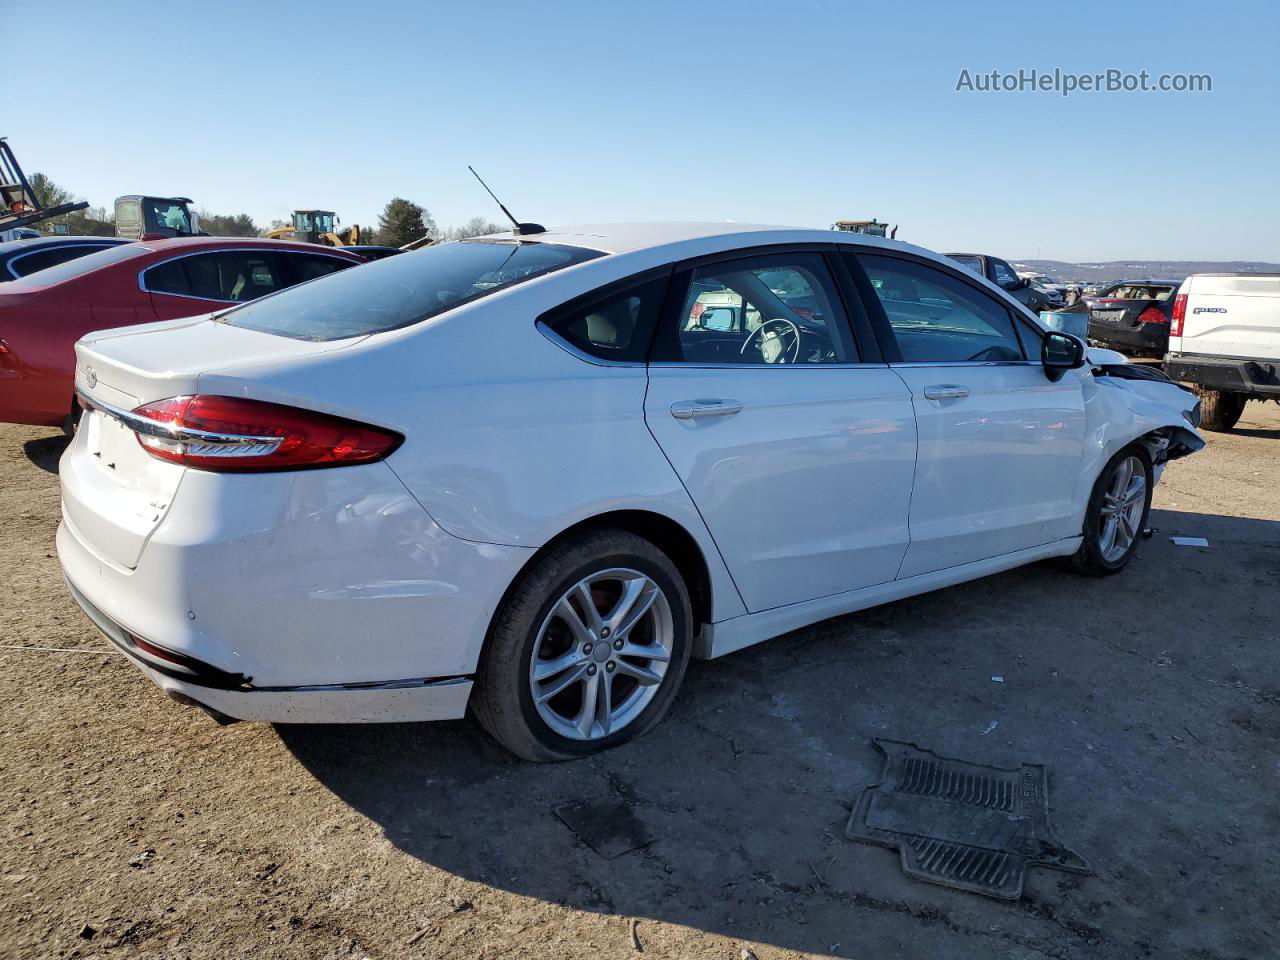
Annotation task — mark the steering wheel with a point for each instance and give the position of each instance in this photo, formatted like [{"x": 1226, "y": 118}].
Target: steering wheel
[{"x": 775, "y": 340}]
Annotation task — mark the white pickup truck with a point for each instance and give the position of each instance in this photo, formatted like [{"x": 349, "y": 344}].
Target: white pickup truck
[{"x": 1224, "y": 339}]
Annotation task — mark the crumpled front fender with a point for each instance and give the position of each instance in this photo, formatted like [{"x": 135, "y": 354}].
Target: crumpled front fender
[{"x": 1120, "y": 409}]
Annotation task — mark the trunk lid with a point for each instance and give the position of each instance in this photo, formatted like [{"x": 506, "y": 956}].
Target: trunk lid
[{"x": 114, "y": 493}]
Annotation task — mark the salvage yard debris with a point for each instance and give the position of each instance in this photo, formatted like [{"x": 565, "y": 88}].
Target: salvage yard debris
[{"x": 966, "y": 825}]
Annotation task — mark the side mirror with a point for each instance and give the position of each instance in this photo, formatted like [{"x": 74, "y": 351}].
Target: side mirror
[{"x": 1060, "y": 352}]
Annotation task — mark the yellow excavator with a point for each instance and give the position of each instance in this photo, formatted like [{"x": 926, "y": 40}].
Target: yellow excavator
[{"x": 318, "y": 226}]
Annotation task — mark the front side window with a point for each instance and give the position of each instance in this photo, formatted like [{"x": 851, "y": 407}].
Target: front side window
[
  {"x": 938, "y": 318},
  {"x": 1005, "y": 277},
  {"x": 399, "y": 291},
  {"x": 166, "y": 216},
  {"x": 618, "y": 326},
  {"x": 776, "y": 309}
]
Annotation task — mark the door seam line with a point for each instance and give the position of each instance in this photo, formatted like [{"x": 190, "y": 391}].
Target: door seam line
[{"x": 644, "y": 414}]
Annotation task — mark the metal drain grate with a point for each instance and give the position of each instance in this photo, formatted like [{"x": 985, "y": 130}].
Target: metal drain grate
[{"x": 961, "y": 824}]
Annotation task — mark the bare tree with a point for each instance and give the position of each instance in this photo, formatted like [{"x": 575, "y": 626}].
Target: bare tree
[{"x": 475, "y": 227}]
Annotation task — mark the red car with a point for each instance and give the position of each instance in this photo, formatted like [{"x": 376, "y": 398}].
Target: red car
[{"x": 42, "y": 315}]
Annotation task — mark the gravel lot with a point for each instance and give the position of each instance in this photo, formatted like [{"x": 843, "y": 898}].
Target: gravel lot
[{"x": 134, "y": 827}]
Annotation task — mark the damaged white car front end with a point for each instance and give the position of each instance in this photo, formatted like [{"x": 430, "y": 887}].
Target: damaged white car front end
[{"x": 1127, "y": 402}]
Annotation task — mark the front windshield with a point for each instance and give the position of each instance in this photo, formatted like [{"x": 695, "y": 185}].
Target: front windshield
[
  {"x": 399, "y": 291},
  {"x": 324, "y": 222}
]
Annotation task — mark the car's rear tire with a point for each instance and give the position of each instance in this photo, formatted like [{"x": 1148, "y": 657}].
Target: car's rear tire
[
  {"x": 558, "y": 680},
  {"x": 1117, "y": 513},
  {"x": 1220, "y": 410},
  {"x": 72, "y": 422}
]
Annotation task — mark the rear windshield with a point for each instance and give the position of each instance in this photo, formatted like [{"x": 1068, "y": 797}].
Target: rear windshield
[
  {"x": 82, "y": 265},
  {"x": 1140, "y": 291},
  {"x": 973, "y": 263},
  {"x": 398, "y": 291}
]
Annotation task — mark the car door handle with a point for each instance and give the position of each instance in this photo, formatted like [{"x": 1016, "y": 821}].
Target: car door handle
[
  {"x": 688, "y": 409},
  {"x": 946, "y": 391}
]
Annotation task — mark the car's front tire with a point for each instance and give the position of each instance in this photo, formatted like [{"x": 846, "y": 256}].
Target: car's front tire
[
  {"x": 587, "y": 649},
  {"x": 1117, "y": 513}
]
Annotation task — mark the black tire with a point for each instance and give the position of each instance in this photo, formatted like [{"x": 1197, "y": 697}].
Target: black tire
[
  {"x": 1089, "y": 559},
  {"x": 1219, "y": 410},
  {"x": 502, "y": 700},
  {"x": 72, "y": 423}
]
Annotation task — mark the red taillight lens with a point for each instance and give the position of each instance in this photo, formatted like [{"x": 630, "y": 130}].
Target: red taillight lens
[
  {"x": 1179, "y": 314},
  {"x": 1151, "y": 315},
  {"x": 225, "y": 434}
]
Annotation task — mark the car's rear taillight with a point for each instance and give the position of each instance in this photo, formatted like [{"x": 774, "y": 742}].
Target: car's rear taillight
[
  {"x": 1179, "y": 314},
  {"x": 1151, "y": 315},
  {"x": 226, "y": 434}
]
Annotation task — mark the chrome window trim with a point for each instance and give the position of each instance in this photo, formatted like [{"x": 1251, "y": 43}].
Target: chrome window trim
[
  {"x": 154, "y": 428},
  {"x": 61, "y": 246},
  {"x": 197, "y": 253},
  {"x": 681, "y": 365},
  {"x": 966, "y": 363}
]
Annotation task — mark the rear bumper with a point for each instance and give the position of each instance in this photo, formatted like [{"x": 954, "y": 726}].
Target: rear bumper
[
  {"x": 231, "y": 696},
  {"x": 1258, "y": 378},
  {"x": 1152, "y": 338}
]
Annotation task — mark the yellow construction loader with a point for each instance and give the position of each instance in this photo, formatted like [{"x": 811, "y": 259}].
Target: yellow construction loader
[{"x": 318, "y": 226}]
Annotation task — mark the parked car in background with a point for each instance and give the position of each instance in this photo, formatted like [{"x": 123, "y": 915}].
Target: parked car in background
[
  {"x": 530, "y": 474},
  {"x": 18, "y": 258},
  {"x": 1043, "y": 281},
  {"x": 19, "y": 233},
  {"x": 1133, "y": 316},
  {"x": 372, "y": 251},
  {"x": 1006, "y": 278},
  {"x": 1224, "y": 339},
  {"x": 43, "y": 314}
]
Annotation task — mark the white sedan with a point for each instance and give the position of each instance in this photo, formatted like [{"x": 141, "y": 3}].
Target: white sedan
[{"x": 535, "y": 473}]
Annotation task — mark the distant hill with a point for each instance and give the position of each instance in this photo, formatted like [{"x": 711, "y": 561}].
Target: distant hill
[{"x": 1113, "y": 271}]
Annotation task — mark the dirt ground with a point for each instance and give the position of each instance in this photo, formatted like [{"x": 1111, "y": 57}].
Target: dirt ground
[{"x": 134, "y": 827}]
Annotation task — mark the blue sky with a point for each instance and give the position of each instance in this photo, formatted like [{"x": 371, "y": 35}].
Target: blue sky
[{"x": 797, "y": 113}]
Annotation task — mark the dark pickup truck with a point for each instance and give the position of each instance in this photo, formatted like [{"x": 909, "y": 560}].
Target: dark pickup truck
[
  {"x": 1006, "y": 278},
  {"x": 1133, "y": 316}
]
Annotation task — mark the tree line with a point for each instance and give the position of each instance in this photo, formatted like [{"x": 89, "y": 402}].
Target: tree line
[{"x": 401, "y": 221}]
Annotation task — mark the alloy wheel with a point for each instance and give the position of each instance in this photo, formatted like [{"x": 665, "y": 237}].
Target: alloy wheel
[
  {"x": 1123, "y": 503},
  {"x": 601, "y": 654}
]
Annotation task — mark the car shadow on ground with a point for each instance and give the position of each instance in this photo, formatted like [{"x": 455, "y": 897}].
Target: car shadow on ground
[
  {"x": 46, "y": 451},
  {"x": 746, "y": 787}
]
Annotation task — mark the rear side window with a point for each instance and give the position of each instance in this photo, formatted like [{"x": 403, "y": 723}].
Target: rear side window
[
  {"x": 399, "y": 291},
  {"x": 968, "y": 262},
  {"x": 617, "y": 326},
  {"x": 938, "y": 318},
  {"x": 776, "y": 308},
  {"x": 43, "y": 259},
  {"x": 236, "y": 276}
]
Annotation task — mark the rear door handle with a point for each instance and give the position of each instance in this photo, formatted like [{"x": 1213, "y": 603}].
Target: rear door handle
[
  {"x": 946, "y": 391},
  {"x": 689, "y": 409}
]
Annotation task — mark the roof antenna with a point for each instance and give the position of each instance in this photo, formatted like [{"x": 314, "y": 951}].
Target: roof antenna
[{"x": 521, "y": 229}]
